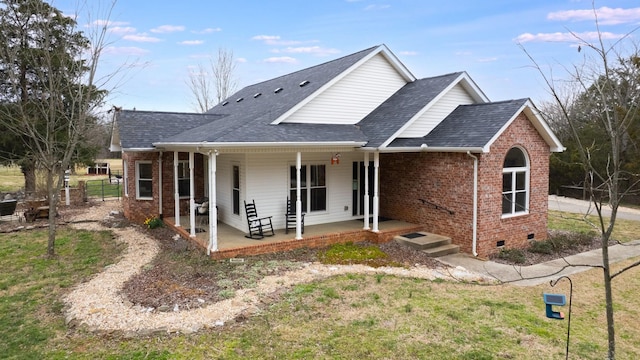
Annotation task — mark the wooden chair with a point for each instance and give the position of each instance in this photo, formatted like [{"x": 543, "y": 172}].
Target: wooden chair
[
  {"x": 290, "y": 217},
  {"x": 258, "y": 227}
]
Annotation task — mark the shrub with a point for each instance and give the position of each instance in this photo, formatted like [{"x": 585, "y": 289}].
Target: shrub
[
  {"x": 153, "y": 222},
  {"x": 542, "y": 247},
  {"x": 512, "y": 255}
]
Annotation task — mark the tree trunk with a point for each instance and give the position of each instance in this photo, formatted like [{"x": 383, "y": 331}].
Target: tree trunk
[
  {"x": 609, "y": 299},
  {"x": 53, "y": 202},
  {"x": 29, "y": 172}
]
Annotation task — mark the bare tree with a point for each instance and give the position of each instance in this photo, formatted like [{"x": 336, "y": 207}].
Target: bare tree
[
  {"x": 210, "y": 86},
  {"x": 602, "y": 91},
  {"x": 51, "y": 89}
]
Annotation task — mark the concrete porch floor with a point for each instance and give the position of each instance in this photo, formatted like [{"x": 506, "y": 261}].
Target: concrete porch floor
[{"x": 232, "y": 242}]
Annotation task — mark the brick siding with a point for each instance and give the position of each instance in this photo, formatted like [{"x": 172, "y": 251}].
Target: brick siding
[
  {"x": 446, "y": 179},
  {"x": 138, "y": 210}
]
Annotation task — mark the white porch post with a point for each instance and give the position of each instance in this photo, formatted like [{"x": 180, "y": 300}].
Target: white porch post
[
  {"x": 176, "y": 194},
  {"x": 160, "y": 180},
  {"x": 192, "y": 202},
  {"x": 213, "y": 210},
  {"x": 298, "y": 199},
  {"x": 376, "y": 189},
  {"x": 366, "y": 191}
]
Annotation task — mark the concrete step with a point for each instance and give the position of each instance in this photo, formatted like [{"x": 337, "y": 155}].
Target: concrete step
[
  {"x": 442, "y": 250},
  {"x": 422, "y": 240}
]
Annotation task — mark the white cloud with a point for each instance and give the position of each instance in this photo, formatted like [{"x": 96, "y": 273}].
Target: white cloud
[
  {"x": 191, "y": 42},
  {"x": 107, "y": 23},
  {"x": 122, "y": 30},
  {"x": 275, "y": 40},
  {"x": 376, "y": 7},
  {"x": 126, "y": 51},
  {"x": 167, "y": 29},
  {"x": 566, "y": 37},
  {"x": 606, "y": 15},
  {"x": 281, "y": 59},
  {"x": 207, "y": 30},
  {"x": 241, "y": 60},
  {"x": 489, "y": 59},
  {"x": 315, "y": 50},
  {"x": 141, "y": 38},
  {"x": 408, "y": 53}
]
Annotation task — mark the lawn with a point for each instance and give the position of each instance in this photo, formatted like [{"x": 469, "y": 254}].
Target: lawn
[
  {"x": 350, "y": 316},
  {"x": 11, "y": 179}
]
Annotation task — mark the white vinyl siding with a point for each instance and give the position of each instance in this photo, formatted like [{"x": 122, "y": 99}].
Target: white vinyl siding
[
  {"x": 265, "y": 179},
  {"x": 350, "y": 99},
  {"x": 437, "y": 112}
]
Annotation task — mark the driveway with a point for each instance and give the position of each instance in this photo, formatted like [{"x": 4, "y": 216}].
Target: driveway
[{"x": 562, "y": 203}]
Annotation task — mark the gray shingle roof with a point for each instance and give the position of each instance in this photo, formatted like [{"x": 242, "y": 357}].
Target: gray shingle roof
[
  {"x": 392, "y": 114},
  {"x": 468, "y": 126},
  {"x": 140, "y": 129},
  {"x": 249, "y": 120}
]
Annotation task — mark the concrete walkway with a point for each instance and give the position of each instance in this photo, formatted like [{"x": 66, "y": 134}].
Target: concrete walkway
[{"x": 551, "y": 270}]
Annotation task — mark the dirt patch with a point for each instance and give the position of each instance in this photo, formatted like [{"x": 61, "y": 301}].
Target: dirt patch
[
  {"x": 559, "y": 244},
  {"x": 181, "y": 275}
]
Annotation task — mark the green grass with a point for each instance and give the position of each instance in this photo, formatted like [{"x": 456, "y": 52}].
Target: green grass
[
  {"x": 11, "y": 178},
  {"x": 348, "y": 316},
  {"x": 31, "y": 286},
  {"x": 98, "y": 188},
  {"x": 624, "y": 230}
]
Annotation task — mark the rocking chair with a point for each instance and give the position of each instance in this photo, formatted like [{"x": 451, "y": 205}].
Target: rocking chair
[
  {"x": 258, "y": 227},
  {"x": 290, "y": 217}
]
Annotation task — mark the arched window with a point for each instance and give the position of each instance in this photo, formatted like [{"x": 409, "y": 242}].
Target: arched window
[{"x": 515, "y": 183}]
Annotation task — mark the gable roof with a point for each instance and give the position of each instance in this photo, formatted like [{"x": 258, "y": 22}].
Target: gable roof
[
  {"x": 253, "y": 116},
  {"x": 475, "y": 127},
  {"x": 250, "y": 112},
  {"x": 402, "y": 106}
]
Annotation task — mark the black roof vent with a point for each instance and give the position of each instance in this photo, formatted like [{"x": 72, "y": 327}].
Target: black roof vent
[
  {"x": 239, "y": 99},
  {"x": 256, "y": 95},
  {"x": 277, "y": 90},
  {"x": 225, "y": 103},
  {"x": 304, "y": 83}
]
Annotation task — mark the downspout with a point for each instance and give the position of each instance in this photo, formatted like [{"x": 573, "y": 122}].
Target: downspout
[
  {"x": 475, "y": 204},
  {"x": 160, "y": 184}
]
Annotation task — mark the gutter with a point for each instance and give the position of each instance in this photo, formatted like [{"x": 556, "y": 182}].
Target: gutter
[
  {"x": 425, "y": 148},
  {"x": 212, "y": 145},
  {"x": 474, "y": 247}
]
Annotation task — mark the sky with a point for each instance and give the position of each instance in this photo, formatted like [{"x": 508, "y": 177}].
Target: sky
[{"x": 154, "y": 45}]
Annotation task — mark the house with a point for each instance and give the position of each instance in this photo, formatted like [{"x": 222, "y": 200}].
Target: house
[{"x": 353, "y": 136}]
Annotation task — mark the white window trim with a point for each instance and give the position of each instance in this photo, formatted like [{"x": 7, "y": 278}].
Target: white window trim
[
  {"x": 308, "y": 187},
  {"x": 233, "y": 165},
  {"x": 125, "y": 177},
  {"x": 138, "y": 197},
  {"x": 513, "y": 171}
]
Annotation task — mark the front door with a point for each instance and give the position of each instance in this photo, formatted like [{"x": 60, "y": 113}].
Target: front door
[{"x": 358, "y": 187}]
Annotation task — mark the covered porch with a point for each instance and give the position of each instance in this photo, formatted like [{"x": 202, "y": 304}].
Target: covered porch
[{"x": 233, "y": 243}]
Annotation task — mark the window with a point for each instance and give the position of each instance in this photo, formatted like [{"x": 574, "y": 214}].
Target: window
[
  {"x": 184, "y": 186},
  {"x": 235, "y": 190},
  {"x": 144, "y": 180},
  {"x": 313, "y": 193},
  {"x": 515, "y": 183},
  {"x": 125, "y": 177}
]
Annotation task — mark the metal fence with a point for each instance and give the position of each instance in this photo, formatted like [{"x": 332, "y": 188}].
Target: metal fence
[{"x": 104, "y": 189}]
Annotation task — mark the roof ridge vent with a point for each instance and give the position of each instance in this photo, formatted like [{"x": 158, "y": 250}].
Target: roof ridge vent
[
  {"x": 277, "y": 90},
  {"x": 239, "y": 99},
  {"x": 304, "y": 83},
  {"x": 256, "y": 95}
]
